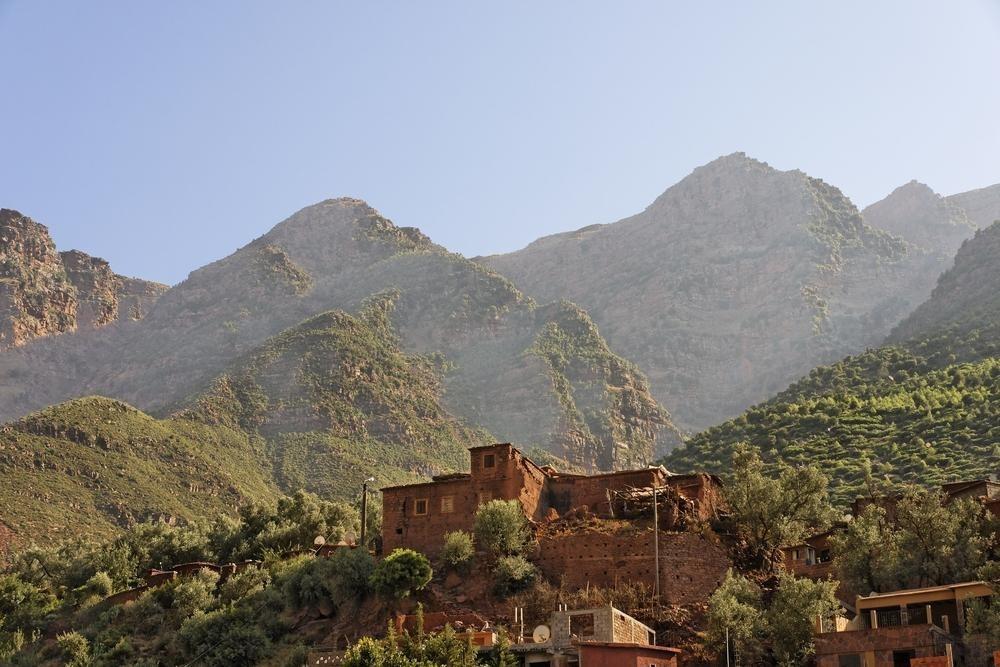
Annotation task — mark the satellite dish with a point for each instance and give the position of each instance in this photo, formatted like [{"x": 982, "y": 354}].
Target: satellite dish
[
  {"x": 350, "y": 537},
  {"x": 541, "y": 634},
  {"x": 319, "y": 541}
]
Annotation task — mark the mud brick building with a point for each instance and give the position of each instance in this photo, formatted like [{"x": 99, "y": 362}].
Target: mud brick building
[
  {"x": 692, "y": 565},
  {"x": 418, "y": 516}
]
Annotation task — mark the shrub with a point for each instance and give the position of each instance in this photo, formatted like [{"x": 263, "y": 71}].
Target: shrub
[
  {"x": 458, "y": 550},
  {"x": 223, "y": 637},
  {"x": 400, "y": 573},
  {"x": 513, "y": 574},
  {"x": 501, "y": 528},
  {"x": 75, "y": 649},
  {"x": 244, "y": 584},
  {"x": 310, "y": 584},
  {"x": 95, "y": 589},
  {"x": 353, "y": 569}
]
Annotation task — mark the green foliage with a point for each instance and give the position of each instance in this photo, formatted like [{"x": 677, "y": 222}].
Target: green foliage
[
  {"x": 735, "y": 608},
  {"x": 75, "y": 649},
  {"x": 769, "y": 512},
  {"x": 501, "y": 528},
  {"x": 353, "y": 570},
  {"x": 781, "y": 621},
  {"x": 223, "y": 637},
  {"x": 792, "y": 614},
  {"x": 400, "y": 573},
  {"x": 887, "y": 410},
  {"x": 458, "y": 550},
  {"x": 422, "y": 650},
  {"x": 928, "y": 542},
  {"x": 513, "y": 574},
  {"x": 582, "y": 366}
]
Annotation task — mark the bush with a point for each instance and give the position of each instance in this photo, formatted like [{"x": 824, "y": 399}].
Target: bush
[
  {"x": 513, "y": 574},
  {"x": 94, "y": 590},
  {"x": 310, "y": 584},
  {"x": 501, "y": 528},
  {"x": 353, "y": 569},
  {"x": 244, "y": 584},
  {"x": 223, "y": 637},
  {"x": 400, "y": 573},
  {"x": 75, "y": 649},
  {"x": 458, "y": 550}
]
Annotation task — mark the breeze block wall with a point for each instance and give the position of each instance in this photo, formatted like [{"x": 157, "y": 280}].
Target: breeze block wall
[{"x": 611, "y": 553}]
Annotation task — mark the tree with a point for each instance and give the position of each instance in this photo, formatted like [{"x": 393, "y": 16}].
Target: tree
[
  {"x": 75, "y": 649},
  {"x": 866, "y": 554},
  {"x": 400, "y": 573},
  {"x": 792, "y": 615},
  {"x": 734, "y": 611},
  {"x": 513, "y": 574},
  {"x": 458, "y": 550},
  {"x": 771, "y": 512},
  {"x": 501, "y": 528}
]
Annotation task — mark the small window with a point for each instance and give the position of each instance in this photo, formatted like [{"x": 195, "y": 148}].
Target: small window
[
  {"x": 795, "y": 555},
  {"x": 447, "y": 504},
  {"x": 420, "y": 507},
  {"x": 489, "y": 460},
  {"x": 824, "y": 556},
  {"x": 485, "y": 497},
  {"x": 581, "y": 625}
]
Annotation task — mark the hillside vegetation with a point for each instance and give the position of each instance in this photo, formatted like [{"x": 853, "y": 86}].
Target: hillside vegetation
[
  {"x": 319, "y": 407},
  {"x": 925, "y": 408}
]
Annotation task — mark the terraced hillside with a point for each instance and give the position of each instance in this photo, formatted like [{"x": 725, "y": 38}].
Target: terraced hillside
[{"x": 923, "y": 408}]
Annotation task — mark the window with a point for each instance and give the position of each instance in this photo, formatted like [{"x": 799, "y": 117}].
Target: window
[
  {"x": 581, "y": 625},
  {"x": 795, "y": 555},
  {"x": 489, "y": 460},
  {"x": 420, "y": 507},
  {"x": 824, "y": 556},
  {"x": 447, "y": 504},
  {"x": 853, "y": 660},
  {"x": 485, "y": 497}
]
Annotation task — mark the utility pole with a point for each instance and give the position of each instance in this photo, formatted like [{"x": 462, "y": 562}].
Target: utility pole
[
  {"x": 727, "y": 646},
  {"x": 656, "y": 542},
  {"x": 364, "y": 510}
]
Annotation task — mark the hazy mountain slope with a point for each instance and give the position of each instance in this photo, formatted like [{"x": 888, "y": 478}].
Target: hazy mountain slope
[
  {"x": 332, "y": 255},
  {"x": 982, "y": 205},
  {"x": 45, "y": 292},
  {"x": 922, "y": 217},
  {"x": 924, "y": 408},
  {"x": 731, "y": 284}
]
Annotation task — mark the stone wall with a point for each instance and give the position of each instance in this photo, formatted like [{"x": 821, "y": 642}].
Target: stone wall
[{"x": 691, "y": 565}]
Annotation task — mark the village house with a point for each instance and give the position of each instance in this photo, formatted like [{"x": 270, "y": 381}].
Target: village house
[
  {"x": 921, "y": 626},
  {"x": 418, "y": 516}
]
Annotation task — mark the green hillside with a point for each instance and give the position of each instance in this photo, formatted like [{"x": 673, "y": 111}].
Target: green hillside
[
  {"x": 320, "y": 407},
  {"x": 94, "y": 465},
  {"x": 925, "y": 408}
]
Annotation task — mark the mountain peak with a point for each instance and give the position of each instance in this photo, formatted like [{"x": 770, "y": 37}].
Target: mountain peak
[{"x": 921, "y": 216}]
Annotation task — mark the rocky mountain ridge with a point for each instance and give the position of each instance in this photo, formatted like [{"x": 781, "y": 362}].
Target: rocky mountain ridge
[
  {"x": 589, "y": 406},
  {"x": 731, "y": 284},
  {"x": 44, "y": 292}
]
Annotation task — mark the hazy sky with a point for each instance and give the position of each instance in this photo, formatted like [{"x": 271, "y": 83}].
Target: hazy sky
[{"x": 163, "y": 135}]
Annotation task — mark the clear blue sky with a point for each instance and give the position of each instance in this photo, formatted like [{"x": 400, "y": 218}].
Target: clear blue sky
[{"x": 164, "y": 135}]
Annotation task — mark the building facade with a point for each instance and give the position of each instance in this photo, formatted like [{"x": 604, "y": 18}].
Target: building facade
[{"x": 417, "y": 516}]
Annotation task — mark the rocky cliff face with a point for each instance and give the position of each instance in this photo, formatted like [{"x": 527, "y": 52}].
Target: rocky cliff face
[
  {"x": 336, "y": 255},
  {"x": 44, "y": 292},
  {"x": 36, "y": 298},
  {"x": 731, "y": 284}
]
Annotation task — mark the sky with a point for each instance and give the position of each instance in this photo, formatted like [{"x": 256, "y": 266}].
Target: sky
[{"x": 165, "y": 135}]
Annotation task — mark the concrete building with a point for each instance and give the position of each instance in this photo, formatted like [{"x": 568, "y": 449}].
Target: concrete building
[
  {"x": 920, "y": 626},
  {"x": 418, "y": 516},
  {"x": 599, "y": 636}
]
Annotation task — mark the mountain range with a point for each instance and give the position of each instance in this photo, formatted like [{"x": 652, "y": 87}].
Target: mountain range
[{"x": 340, "y": 345}]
